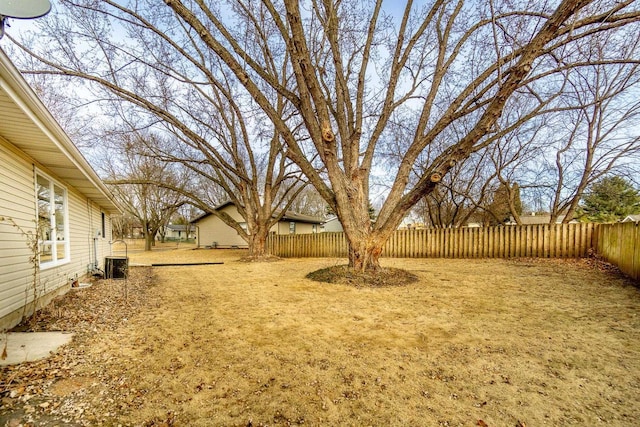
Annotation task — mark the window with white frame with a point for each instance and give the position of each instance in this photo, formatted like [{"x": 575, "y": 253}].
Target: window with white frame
[{"x": 53, "y": 222}]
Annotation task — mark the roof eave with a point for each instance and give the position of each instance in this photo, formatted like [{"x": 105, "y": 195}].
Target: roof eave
[{"x": 28, "y": 102}]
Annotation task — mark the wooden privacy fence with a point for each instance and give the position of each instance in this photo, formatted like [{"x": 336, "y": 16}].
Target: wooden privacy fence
[
  {"x": 544, "y": 241},
  {"x": 619, "y": 244}
]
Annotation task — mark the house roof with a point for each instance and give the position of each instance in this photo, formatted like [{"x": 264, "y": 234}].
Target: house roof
[
  {"x": 288, "y": 216},
  {"x": 536, "y": 219},
  {"x": 28, "y": 125},
  {"x": 294, "y": 216},
  {"x": 206, "y": 214},
  {"x": 330, "y": 219},
  {"x": 539, "y": 219},
  {"x": 177, "y": 227},
  {"x": 632, "y": 218}
]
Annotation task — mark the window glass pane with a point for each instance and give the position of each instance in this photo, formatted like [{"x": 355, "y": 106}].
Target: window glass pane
[
  {"x": 60, "y": 218},
  {"x": 43, "y": 190},
  {"x": 52, "y": 227},
  {"x": 292, "y": 227},
  {"x": 60, "y": 251},
  {"x": 45, "y": 252}
]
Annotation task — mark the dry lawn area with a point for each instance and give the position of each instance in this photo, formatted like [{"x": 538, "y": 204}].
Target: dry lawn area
[{"x": 473, "y": 342}]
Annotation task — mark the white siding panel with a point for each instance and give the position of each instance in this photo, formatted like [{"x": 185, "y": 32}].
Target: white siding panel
[
  {"x": 104, "y": 243},
  {"x": 13, "y": 257},
  {"x": 17, "y": 200},
  {"x": 79, "y": 213},
  {"x": 304, "y": 228},
  {"x": 212, "y": 229}
]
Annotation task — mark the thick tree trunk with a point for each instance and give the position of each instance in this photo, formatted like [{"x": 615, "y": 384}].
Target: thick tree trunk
[
  {"x": 364, "y": 240},
  {"x": 365, "y": 243},
  {"x": 364, "y": 254},
  {"x": 148, "y": 241},
  {"x": 258, "y": 245}
]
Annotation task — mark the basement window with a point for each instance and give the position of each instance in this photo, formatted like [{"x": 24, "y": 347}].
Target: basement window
[{"x": 53, "y": 222}]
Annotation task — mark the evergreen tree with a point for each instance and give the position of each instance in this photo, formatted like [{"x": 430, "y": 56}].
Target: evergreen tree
[{"x": 609, "y": 200}]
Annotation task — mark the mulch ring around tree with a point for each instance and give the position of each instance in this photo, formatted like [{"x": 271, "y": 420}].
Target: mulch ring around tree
[{"x": 381, "y": 277}]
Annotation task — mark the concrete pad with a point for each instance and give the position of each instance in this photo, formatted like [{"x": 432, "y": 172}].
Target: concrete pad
[{"x": 30, "y": 346}]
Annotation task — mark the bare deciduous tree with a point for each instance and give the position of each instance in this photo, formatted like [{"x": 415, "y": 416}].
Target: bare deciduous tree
[
  {"x": 134, "y": 182},
  {"x": 156, "y": 77},
  {"x": 583, "y": 130},
  {"x": 599, "y": 133},
  {"x": 435, "y": 60},
  {"x": 347, "y": 71}
]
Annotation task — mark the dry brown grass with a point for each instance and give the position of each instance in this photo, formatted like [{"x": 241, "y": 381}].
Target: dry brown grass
[{"x": 536, "y": 342}]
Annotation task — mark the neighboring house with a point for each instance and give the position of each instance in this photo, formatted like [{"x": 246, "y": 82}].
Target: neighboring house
[
  {"x": 44, "y": 180},
  {"x": 632, "y": 218},
  {"x": 212, "y": 231},
  {"x": 473, "y": 224},
  {"x": 537, "y": 219},
  {"x": 137, "y": 231},
  {"x": 179, "y": 232},
  {"x": 540, "y": 219},
  {"x": 332, "y": 225},
  {"x": 531, "y": 219}
]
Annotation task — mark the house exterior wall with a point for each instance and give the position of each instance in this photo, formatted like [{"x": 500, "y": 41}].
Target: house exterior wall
[
  {"x": 333, "y": 225},
  {"x": 18, "y": 201},
  {"x": 303, "y": 227},
  {"x": 172, "y": 234},
  {"x": 212, "y": 229},
  {"x": 175, "y": 234},
  {"x": 631, "y": 218},
  {"x": 283, "y": 227}
]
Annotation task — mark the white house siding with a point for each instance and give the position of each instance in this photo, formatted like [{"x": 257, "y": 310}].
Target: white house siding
[
  {"x": 333, "y": 225},
  {"x": 17, "y": 201},
  {"x": 85, "y": 225},
  {"x": 283, "y": 227},
  {"x": 280, "y": 228},
  {"x": 305, "y": 228},
  {"x": 212, "y": 229}
]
